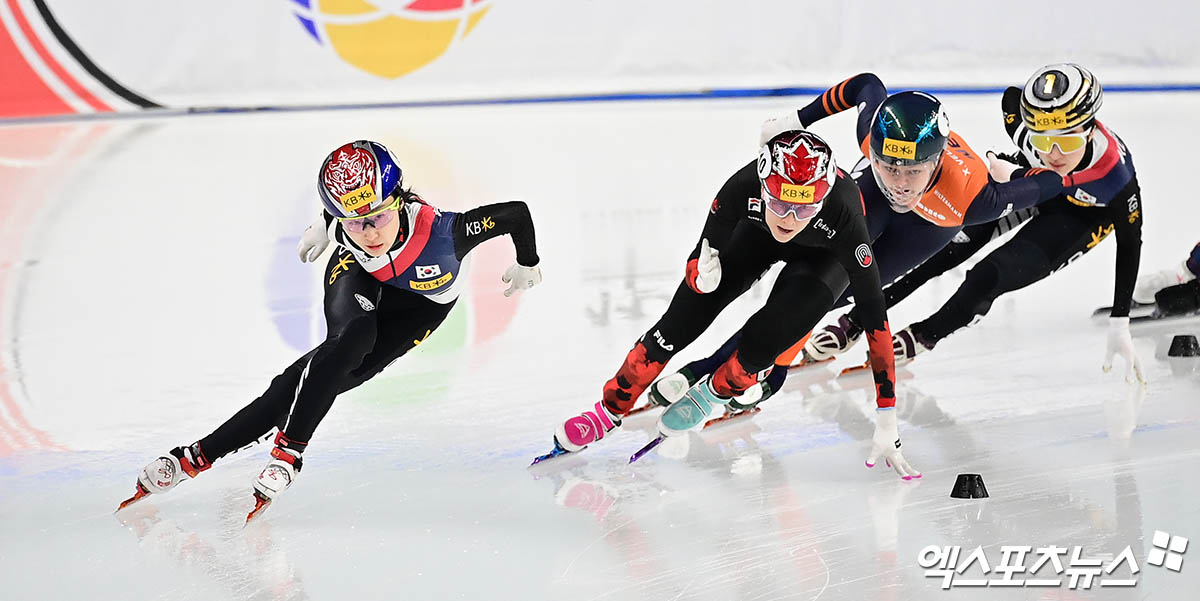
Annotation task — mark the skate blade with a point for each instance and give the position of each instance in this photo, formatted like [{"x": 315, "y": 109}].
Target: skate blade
[
  {"x": 646, "y": 449},
  {"x": 557, "y": 451},
  {"x": 261, "y": 504},
  {"x": 855, "y": 369},
  {"x": 138, "y": 495},
  {"x": 730, "y": 417},
  {"x": 806, "y": 362}
]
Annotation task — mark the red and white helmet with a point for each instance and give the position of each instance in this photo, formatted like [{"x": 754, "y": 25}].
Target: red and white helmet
[{"x": 797, "y": 171}]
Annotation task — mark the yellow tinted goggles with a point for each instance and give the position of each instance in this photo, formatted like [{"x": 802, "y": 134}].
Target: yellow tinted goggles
[{"x": 1067, "y": 143}]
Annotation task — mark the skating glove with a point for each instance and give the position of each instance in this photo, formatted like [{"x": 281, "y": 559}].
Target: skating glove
[
  {"x": 886, "y": 444},
  {"x": 1121, "y": 343},
  {"x": 704, "y": 272},
  {"x": 1000, "y": 168},
  {"x": 1014, "y": 157},
  {"x": 777, "y": 125},
  {"x": 520, "y": 277},
  {"x": 313, "y": 241}
]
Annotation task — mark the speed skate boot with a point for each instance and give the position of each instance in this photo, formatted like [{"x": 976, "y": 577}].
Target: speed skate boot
[
  {"x": 579, "y": 431},
  {"x": 620, "y": 393},
  {"x": 1151, "y": 283},
  {"x": 164, "y": 473},
  {"x": 833, "y": 339},
  {"x": 744, "y": 389},
  {"x": 907, "y": 344},
  {"x": 698, "y": 404},
  {"x": 1180, "y": 299},
  {"x": 667, "y": 390},
  {"x": 279, "y": 474}
]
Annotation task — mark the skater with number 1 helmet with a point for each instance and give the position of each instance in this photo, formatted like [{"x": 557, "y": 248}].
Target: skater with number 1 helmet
[
  {"x": 396, "y": 275},
  {"x": 793, "y": 206}
]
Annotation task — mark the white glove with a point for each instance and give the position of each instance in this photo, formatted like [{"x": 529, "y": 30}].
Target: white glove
[
  {"x": 708, "y": 268},
  {"x": 313, "y": 241},
  {"x": 886, "y": 444},
  {"x": 1000, "y": 169},
  {"x": 777, "y": 125},
  {"x": 520, "y": 277},
  {"x": 1121, "y": 343}
]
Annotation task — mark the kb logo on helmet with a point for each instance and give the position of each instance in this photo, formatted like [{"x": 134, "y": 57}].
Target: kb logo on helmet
[
  {"x": 798, "y": 194},
  {"x": 358, "y": 198},
  {"x": 1050, "y": 121},
  {"x": 1056, "y": 119},
  {"x": 899, "y": 149}
]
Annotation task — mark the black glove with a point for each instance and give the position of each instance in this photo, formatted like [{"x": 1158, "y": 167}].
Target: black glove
[{"x": 1014, "y": 157}]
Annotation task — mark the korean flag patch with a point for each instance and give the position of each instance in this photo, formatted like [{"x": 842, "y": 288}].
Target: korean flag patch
[{"x": 425, "y": 272}]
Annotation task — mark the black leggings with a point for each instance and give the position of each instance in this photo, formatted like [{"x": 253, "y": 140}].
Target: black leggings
[
  {"x": 370, "y": 325},
  {"x": 1058, "y": 235},
  {"x": 808, "y": 284},
  {"x": 967, "y": 243}
]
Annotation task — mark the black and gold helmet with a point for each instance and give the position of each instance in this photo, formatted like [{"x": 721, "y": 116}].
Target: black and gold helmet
[{"x": 1060, "y": 97}]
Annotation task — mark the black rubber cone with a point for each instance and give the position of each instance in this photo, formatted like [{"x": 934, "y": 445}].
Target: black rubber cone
[
  {"x": 1184, "y": 345},
  {"x": 969, "y": 486}
]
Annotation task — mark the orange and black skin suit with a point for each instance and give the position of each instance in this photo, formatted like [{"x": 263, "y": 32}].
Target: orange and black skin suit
[
  {"x": 820, "y": 262},
  {"x": 960, "y": 194}
]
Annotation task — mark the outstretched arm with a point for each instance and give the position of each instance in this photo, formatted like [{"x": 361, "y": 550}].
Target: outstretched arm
[
  {"x": 481, "y": 224},
  {"x": 1126, "y": 211},
  {"x": 864, "y": 91}
]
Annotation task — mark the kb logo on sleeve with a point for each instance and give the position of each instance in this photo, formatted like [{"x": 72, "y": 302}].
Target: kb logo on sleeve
[{"x": 478, "y": 227}]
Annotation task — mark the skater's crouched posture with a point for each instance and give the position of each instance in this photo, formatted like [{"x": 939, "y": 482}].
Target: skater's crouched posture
[
  {"x": 793, "y": 206},
  {"x": 397, "y": 272}
]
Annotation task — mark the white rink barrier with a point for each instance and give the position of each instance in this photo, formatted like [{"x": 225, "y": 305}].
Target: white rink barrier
[{"x": 73, "y": 56}]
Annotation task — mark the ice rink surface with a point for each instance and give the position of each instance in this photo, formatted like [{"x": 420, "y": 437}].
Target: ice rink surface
[{"x": 149, "y": 288}]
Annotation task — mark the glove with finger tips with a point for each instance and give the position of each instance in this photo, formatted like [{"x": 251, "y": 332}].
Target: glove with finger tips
[
  {"x": 519, "y": 277},
  {"x": 886, "y": 444},
  {"x": 313, "y": 241},
  {"x": 1000, "y": 168},
  {"x": 1121, "y": 343}
]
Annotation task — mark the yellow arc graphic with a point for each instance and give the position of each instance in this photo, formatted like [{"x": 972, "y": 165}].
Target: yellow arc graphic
[{"x": 393, "y": 46}]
